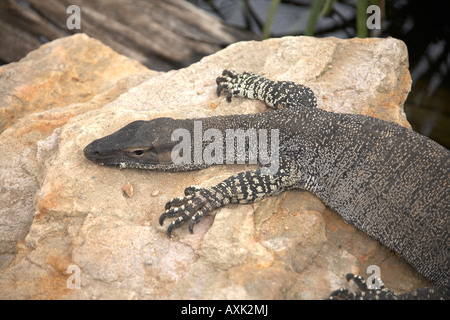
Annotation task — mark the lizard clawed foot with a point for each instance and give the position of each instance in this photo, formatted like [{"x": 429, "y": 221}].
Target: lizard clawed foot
[
  {"x": 366, "y": 293},
  {"x": 196, "y": 203},
  {"x": 230, "y": 81}
]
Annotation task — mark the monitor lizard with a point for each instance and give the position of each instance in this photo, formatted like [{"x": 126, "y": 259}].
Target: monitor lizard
[{"x": 387, "y": 180}]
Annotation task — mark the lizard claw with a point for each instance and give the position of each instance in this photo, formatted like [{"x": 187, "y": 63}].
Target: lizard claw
[
  {"x": 231, "y": 82},
  {"x": 196, "y": 203}
]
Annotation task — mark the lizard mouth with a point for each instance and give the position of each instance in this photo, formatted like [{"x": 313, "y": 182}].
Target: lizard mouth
[
  {"x": 92, "y": 153},
  {"x": 138, "y": 158}
]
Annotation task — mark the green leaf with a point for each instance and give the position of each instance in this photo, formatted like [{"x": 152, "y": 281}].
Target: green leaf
[
  {"x": 327, "y": 7},
  {"x": 269, "y": 19},
  {"x": 313, "y": 17},
  {"x": 361, "y": 18}
]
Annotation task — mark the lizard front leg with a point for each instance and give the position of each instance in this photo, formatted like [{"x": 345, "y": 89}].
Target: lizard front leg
[
  {"x": 276, "y": 94},
  {"x": 245, "y": 187}
]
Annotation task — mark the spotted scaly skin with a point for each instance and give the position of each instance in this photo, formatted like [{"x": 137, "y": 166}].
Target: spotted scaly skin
[{"x": 389, "y": 181}]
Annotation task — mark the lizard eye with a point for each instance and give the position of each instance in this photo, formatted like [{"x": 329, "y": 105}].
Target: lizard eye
[{"x": 136, "y": 152}]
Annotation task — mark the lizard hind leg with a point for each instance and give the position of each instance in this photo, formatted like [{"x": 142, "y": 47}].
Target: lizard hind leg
[
  {"x": 366, "y": 293},
  {"x": 384, "y": 293}
]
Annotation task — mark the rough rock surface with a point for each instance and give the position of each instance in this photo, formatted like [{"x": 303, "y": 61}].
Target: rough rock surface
[
  {"x": 62, "y": 79},
  {"x": 104, "y": 221}
]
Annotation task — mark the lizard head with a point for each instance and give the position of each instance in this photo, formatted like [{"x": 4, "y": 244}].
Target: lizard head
[{"x": 140, "y": 144}]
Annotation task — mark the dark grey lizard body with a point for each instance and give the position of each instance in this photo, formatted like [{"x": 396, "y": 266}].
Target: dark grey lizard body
[{"x": 390, "y": 182}]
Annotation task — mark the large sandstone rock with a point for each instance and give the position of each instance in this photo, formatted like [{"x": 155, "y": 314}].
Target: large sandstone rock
[
  {"x": 41, "y": 93},
  {"x": 285, "y": 247}
]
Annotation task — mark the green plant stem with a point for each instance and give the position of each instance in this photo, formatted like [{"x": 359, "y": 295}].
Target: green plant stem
[
  {"x": 313, "y": 17},
  {"x": 270, "y": 16},
  {"x": 361, "y": 18}
]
